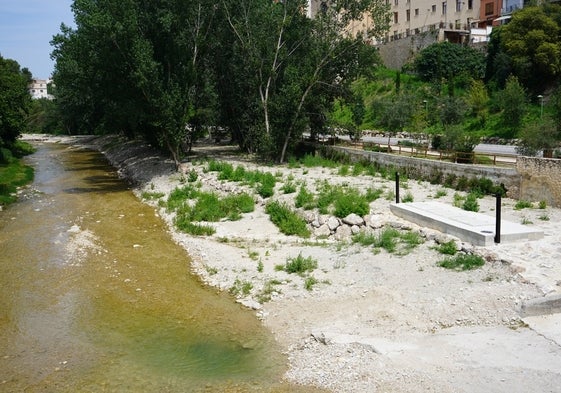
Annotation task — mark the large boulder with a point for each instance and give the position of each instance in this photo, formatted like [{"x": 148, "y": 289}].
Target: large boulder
[{"x": 353, "y": 219}]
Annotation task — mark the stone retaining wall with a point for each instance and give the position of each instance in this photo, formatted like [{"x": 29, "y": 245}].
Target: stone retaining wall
[
  {"x": 540, "y": 179},
  {"x": 420, "y": 167}
]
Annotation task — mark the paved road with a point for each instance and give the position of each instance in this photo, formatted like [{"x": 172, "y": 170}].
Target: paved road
[{"x": 482, "y": 148}]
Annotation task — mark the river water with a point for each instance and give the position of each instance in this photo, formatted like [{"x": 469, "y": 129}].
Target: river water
[{"x": 96, "y": 297}]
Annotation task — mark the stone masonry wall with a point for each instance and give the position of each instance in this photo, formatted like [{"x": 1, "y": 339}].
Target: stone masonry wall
[
  {"x": 540, "y": 179},
  {"x": 425, "y": 167}
]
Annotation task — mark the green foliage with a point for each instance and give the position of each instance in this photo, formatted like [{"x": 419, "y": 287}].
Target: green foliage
[
  {"x": 531, "y": 40},
  {"x": 197, "y": 229},
  {"x": 241, "y": 288},
  {"x": 300, "y": 264},
  {"x": 152, "y": 195},
  {"x": 288, "y": 187},
  {"x": 304, "y": 199},
  {"x": 448, "y": 248},
  {"x": 542, "y": 204},
  {"x": 13, "y": 175},
  {"x": 364, "y": 238},
  {"x": 288, "y": 222},
  {"x": 394, "y": 241},
  {"x": 462, "y": 262},
  {"x": 512, "y": 101},
  {"x": 351, "y": 202},
  {"x": 15, "y": 101},
  {"x": 521, "y": 204},
  {"x": 309, "y": 282},
  {"x": 178, "y": 197},
  {"x": 447, "y": 60},
  {"x": 408, "y": 197},
  {"x": 471, "y": 204}
]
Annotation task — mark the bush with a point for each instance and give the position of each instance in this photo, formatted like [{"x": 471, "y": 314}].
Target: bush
[
  {"x": 304, "y": 199},
  {"x": 300, "y": 264},
  {"x": 522, "y": 205},
  {"x": 193, "y": 228},
  {"x": 287, "y": 220},
  {"x": 448, "y": 248},
  {"x": 471, "y": 204},
  {"x": 351, "y": 202}
]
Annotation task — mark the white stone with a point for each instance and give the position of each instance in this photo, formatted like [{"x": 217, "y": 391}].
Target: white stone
[
  {"x": 353, "y": 219},
  {"x": 333, "y": 223}
]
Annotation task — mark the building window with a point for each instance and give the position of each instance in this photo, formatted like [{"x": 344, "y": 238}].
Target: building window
[
  {"x": 444, "y": 4},
  {"x": 395, "y": 2},
  {"x": 434, "y": 8},
  {"x": 416, "y": 12},
  {"x": 470, "y": 4},
  {"x": 395, "y": 17},
  {"x": 458, "y": 6},
  {"x": 408, "y": 15},
  {"x": 489, "y": 9}
]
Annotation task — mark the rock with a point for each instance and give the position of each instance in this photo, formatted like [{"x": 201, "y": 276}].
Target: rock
[
  {"x": 353, "y": 219},
  {"x": 343, "y": 232},
  {"x": 333, "y": 223},
  {"x": 315, "y": 223},
  {"x": 250, "y": 303},
  {"x": 321, "y": 220},
  {"x": 355, "y": 229},
  {"x": 309, "y": 217},
  {"x": 322, "y": 231},
  {"x": 320, "y": 338}
]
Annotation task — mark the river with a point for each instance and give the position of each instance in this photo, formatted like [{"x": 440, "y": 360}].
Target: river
[{"x": 96, "y": 297}]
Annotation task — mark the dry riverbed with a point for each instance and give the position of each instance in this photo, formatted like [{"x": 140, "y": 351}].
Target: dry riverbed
[{"x": 369, "y": 320}]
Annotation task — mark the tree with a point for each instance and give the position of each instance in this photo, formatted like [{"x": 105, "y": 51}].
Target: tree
[
  {"x": 478, "y": 100},
  {"x": 542, "y": 135},
  {"x": 512, "y": 101},
  {"x": 448, "y": 61},
  {"x": 532, "y": 40},
  {"x": 15, "y": 100},
  {"x": 137, "y": 68},
  {"x": 290, "y": 63}
]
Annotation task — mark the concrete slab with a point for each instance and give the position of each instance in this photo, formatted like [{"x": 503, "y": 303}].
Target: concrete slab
[
  {"x": 549, "y": 326},
  {"x": 475, "y": 228}
]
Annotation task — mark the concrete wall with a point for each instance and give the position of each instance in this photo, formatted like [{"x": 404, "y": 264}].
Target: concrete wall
[
  {"x": 540, "y": 179},
  {"x": 419, "y": 167}
]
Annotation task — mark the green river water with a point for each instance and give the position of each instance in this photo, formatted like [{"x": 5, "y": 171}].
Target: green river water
[{"x": 96, "y": 297}]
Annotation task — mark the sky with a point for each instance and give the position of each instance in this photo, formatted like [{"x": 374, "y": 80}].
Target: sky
[{"x": 27, "y": 27}]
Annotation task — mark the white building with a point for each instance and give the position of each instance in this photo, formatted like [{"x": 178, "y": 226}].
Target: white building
[{"x": 38, "y": 88}]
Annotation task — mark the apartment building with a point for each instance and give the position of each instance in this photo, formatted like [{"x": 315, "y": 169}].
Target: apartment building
[{"x": 38, "y": 88}]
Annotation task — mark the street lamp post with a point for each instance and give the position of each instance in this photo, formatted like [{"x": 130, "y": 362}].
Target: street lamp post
[{"x": 541, "y": 104}]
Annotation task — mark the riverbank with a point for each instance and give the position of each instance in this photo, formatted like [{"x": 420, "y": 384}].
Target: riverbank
[{"x": 371, "y": 321}]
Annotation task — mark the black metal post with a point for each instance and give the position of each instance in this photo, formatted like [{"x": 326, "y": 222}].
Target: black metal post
[
  {"x": 397, "y": 187},
  {"x": 498, "y": 219}
]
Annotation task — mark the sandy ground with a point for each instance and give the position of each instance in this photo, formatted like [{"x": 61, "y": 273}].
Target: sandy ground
[{"x": 373, "y": 322}]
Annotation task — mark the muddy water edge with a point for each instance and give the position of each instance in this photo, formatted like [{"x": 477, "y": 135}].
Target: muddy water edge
[{"x": 96, "y": 297}]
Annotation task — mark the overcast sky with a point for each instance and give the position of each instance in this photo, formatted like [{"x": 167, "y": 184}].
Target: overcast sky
[{"x": 27, "y": 27}]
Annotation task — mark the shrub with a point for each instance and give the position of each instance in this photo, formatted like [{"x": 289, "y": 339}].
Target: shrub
[
  {"x": 300, "y": 264},
  {"x": 288, "y": 187},
  {"x": 387, "y": 239},
  {"x": 287, "y": 220},
  {"x": 351, "y": 202},
  {"x": 462, "y": 262},
  {"x": 440, "y": 193},
  {"x": 178, "y": 197},
  {"x": 522, "y": 205},
  {"x": 448, "y": 248},
  {"x": 364, "y": 238},
  {"x": 309, "y": 282},
  {"x": 542, "y": 205},
  {"x": 304, "y": 199},
  {"x": 266, "y": 188},
  {"x": 407, "y": 198},
  {"x": 471, "y": 204}
]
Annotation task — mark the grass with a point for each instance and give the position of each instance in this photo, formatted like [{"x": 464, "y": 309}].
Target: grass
[
  {"x": 304, "y": 199},
  {"x": 288, "y": 221},
  {"x": 299, "y": 265},
  {"x": 462, "y": 262},
  {"x": 241, "y": 288},
  {"x": 440, "y": 193},
  {"x": 266, "y": 293},
  {"x": 13, "y": 173},
  {"x": 408, "y": 197},
  {"x": 394, "y": 241},
  {"x": 364, "y": 239},
  {"x": 521, "y": 204},
  {"x": 148, "y": 195},
  {"x": 309, "y": 282},
  {"x": 196, "y": 229},
  {"x": 263, "y": 182},
  {"x": 448, "y": 248}
]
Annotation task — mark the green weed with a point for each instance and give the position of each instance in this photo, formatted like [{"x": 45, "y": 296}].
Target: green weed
[
  {"x": 288, "y": 221},
  {"x": 462, "y": 262}
]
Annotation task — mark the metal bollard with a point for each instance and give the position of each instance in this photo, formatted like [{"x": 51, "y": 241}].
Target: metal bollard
[
  {"x": 397, "y": 187},
  {"x": 498, "y": 219}
]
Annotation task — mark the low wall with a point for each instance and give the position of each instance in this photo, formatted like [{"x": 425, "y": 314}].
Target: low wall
[
  {"x": 420, "y": 167},
  {"x": 540, "y": 179}
]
